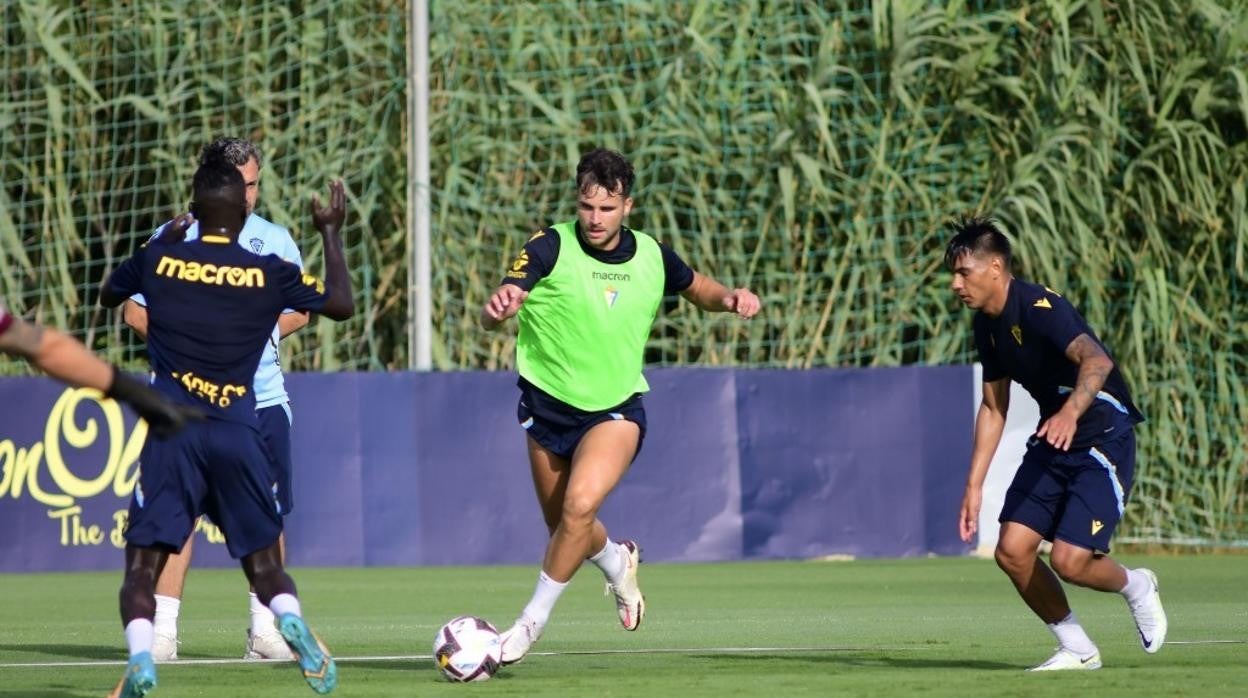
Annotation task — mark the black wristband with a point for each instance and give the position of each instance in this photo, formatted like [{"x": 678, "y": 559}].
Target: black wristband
[{"x": 125, "y": 388}]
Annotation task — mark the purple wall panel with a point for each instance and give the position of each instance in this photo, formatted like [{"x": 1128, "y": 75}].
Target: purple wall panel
[
  {"x": 414, "y": 469},
  {"x": 946, "y": 413},
  {"x": 476, "y": 496},
  {"x": 681, "y": 498},
  {"x": 842, "y": 461},
  {"x": 824, "y": 464},
  {"x": 328, "y": 437}
]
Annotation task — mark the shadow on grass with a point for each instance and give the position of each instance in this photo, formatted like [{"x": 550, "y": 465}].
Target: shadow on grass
[
  {"x": 841, "y": 658},
  {"x": 83, "y": 652},
  {"x": 420, "y": 667},
  {"x": 860, "y": 660},
  {"x": 48, "y": 693}
]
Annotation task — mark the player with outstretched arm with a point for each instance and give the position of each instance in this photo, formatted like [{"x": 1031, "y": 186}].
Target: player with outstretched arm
[
  {"x": 587, "y": 292},
  {"x": 211, "y": 308},
  {"x": 1074, "y": 480}
]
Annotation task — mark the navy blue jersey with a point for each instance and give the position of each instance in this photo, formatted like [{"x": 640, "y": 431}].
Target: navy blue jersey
[
  {"x": 211, "y": 308},
  {"x": 1027, "y": 343},
  {"x": 541, "y": 252}
]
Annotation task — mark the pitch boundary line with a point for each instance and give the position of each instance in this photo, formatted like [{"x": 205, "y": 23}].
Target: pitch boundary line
[
  {"x": 566, "y": 653},
  {"x": 427, "y": 657}
]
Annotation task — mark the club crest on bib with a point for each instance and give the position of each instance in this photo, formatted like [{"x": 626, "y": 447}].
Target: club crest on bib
[{"x": 256, "y": 245}]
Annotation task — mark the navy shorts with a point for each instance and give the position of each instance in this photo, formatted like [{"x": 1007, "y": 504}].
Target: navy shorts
[
  {"x": 559, "y": 427},
  {"x": 213, "y": 467},
  {"x": 1076, "y": 496},
  {"x": 275, "y": 423}
]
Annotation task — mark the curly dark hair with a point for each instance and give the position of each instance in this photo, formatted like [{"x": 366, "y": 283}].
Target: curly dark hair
[
  {"x": 975, "y": 233},
  {"x": 607, "y": 169}
]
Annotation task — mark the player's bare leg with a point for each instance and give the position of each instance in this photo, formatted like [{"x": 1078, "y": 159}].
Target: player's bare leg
[
  {"x": 1035, "y": 582},
  {"x": 1043, "y": 593},
  {"x": 1138, "y": 586},
  {"x": 617, "y": 561},
  {"x": 263, "y": 639},
  {"x": 169, "y": 587},
  {"x": 1079, "y": 566},
  {"x": 276, "y": 589},
  {"x": 598, "y": 465},
  {"x": 570, "y": 494},
  {"x": 138, "y": 607},
  {"x": 550, "y": 480}
]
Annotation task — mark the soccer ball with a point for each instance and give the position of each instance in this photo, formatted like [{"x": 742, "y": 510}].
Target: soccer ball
[{"x": 467, "y": 648}]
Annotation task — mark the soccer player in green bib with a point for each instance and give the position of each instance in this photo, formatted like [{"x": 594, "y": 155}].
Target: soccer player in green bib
[{"x": 587, "y": 292}]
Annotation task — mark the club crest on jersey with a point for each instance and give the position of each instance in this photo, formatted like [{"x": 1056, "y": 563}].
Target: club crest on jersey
[
  {"x": 611, "y": 293},
  {"x": 1017, "y": 332},
  {"x": 256, "y": 245},
  {"x": 517, "y": 267}
]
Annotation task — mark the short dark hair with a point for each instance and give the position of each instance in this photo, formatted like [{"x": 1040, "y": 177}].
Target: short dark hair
[
  {"x": 973, "y": 234},
  {"x": 217, "y": 180},
  {"x": 607, "y": 169},
  {"x": 234, "y": 151}
]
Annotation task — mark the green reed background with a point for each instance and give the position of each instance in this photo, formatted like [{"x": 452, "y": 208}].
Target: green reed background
[{"x": 808, "y": 149}]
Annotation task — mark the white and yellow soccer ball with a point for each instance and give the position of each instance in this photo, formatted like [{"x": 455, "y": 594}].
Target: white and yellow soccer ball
[{"x": 467, "y": 648}]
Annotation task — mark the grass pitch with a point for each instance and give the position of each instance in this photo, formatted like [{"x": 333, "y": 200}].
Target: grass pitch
[{"x": 874, "y": 628}]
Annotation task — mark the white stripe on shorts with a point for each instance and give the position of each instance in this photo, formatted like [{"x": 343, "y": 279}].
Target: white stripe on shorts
[{"x": 1113, "y": 476}]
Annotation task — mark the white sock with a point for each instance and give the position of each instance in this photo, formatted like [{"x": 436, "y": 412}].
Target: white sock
[
  {"x": 1071, "y": 636},
  {"x": 1138, "y": 585},
  {"x": 167, "y": 608},
  {"x": 140, "y": 633},
  {"x": 544, "y": 598},
  {"x": 285, "y": 603},
  {"x": 262, "y": 619},
  {"x": 611, "y": 561}
]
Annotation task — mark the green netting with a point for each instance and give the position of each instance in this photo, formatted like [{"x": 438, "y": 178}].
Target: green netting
[
  {"x": 808, "y": 149},
  {"x": 105, "y": 111}
]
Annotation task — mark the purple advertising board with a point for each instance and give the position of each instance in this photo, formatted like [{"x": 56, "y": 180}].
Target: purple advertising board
[{"x": 430, "y": 469}]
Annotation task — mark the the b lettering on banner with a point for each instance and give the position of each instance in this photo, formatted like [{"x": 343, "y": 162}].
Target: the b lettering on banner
[{"x": 55, "y": 472}]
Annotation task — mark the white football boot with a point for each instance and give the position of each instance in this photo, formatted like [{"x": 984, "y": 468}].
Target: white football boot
[
  {"x": 1065, "y": 660},
  {"x": 518, "y": 640},
  {"x": 267, "y": 645},
  {"x": 165, "y": 647},
  {"x": 1150, "y": 617},
  {"x": 629, "y": 602}
]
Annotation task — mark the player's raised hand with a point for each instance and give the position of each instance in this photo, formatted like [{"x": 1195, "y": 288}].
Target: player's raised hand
[
  {"x": 329, "y": 219},
  {"x": 743, "y": 302},
  {"x": 174, "y": 231},
  {"x": 504, "y": 303},
  {"x": 968, "y": 517}
]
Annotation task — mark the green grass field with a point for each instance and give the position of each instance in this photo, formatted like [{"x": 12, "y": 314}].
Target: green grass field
[{"x": 896, "y": 627}]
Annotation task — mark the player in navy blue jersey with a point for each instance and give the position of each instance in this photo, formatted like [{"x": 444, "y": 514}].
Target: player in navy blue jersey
[
  {"x": 1074, "y": 480},
  {"x": 273, "y": 410},
  {"x": 211, "y": 308}
]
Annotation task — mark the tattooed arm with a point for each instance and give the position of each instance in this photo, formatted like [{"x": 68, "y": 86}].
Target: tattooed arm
[{"x": 1094, "y": 368}]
